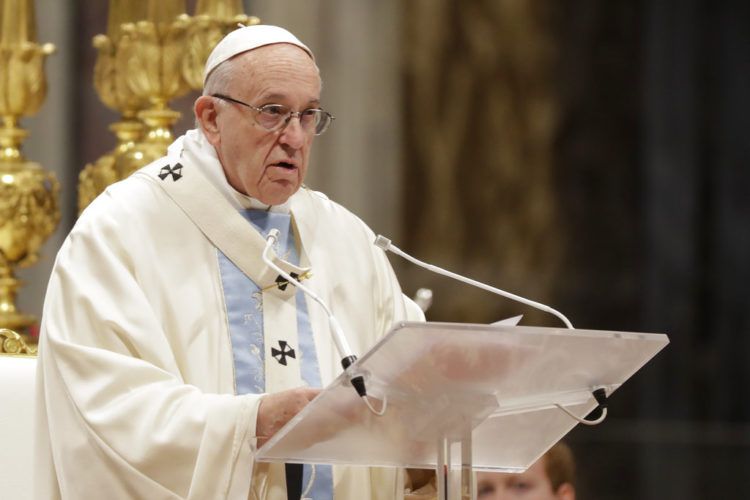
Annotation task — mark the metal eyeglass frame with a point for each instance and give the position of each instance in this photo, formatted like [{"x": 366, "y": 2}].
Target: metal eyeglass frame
[{"x": 327, "y": 117}]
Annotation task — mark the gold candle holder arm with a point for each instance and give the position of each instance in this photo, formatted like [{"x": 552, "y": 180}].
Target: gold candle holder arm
[{"x": 13, "y": 343}]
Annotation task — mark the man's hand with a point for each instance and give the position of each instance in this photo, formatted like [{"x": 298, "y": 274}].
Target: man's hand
[{"x": 278, "y": 408}]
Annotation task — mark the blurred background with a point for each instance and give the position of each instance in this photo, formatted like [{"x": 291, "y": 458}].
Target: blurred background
[{"x": 592, "y": 155}]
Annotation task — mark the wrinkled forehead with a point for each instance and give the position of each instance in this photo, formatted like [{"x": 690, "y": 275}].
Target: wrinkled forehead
[
  {"x": 274, "y": 59},
  {"x": 274, "y": 72}
]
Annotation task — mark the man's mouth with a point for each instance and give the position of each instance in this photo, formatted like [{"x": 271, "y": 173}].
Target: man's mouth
[{"x": 284, "y": 164}]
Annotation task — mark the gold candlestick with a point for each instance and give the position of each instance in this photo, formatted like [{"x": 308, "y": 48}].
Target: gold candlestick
[
  {"x": 110, "y": 82},
  {"x": 151, "y": 52},
  {"x": 17, "y": 24},
  {"x": 28, "y": 194},
  {"x": 137, "y": 74},
  {"x": 113, "y": 166},
  {"x": 219, "y": 9},
  {"x": 213, "y": 19}
]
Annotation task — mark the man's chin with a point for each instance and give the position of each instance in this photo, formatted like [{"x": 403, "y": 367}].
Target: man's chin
[{"x": 278, "y": 196}]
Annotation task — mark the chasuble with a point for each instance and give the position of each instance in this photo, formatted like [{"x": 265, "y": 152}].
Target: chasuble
[{"x": 137, "y": 394}]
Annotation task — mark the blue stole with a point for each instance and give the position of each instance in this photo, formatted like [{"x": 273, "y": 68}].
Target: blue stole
[{"x": 245, "y": 312}]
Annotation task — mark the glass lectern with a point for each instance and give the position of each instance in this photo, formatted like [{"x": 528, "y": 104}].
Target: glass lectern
[{"x": 461, "y": 396}]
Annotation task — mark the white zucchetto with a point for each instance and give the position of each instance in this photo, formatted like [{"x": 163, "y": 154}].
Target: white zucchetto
[{"x": 249, "y": 38}]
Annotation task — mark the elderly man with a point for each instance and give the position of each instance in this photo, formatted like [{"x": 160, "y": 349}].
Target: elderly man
[{"x": 169, "y": 350}]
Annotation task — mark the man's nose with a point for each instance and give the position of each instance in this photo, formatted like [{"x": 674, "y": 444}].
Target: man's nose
[{"x": 293, "y": 135}]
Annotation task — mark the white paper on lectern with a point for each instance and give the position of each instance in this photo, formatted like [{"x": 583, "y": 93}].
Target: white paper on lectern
[
  {"x": 492, "y": 387},
  {"x": 512, "y": 321}
]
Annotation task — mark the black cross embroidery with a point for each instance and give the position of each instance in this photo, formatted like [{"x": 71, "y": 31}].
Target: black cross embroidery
[
  {"x": 283, "y": 353},
  {"x": 175, "y": 172},
  {"x": 282, "y": 283}
]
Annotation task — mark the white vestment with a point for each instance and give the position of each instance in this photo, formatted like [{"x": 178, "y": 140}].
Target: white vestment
[{"x": 136, "y": 394}]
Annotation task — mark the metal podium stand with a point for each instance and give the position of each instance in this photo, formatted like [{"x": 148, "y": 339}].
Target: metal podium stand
[{"x": 462, "y": 396}]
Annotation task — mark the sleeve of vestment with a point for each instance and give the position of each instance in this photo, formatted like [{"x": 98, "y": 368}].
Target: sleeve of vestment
[{"x": 122, "y": 421}]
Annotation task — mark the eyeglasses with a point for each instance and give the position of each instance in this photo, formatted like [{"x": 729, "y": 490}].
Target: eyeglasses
[{"x": 277, "y": 116}]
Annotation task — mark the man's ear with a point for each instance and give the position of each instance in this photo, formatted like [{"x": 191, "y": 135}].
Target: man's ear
[
  {"x": 206, "y": 115},
  {"x": 566, "y": 491}
]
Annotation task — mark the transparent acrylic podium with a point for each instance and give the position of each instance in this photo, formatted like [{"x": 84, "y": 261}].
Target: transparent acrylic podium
[{"x": 462, "y": 396}]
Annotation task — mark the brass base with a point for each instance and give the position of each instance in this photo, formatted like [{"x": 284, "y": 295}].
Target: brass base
[{"x": 14, "y": 343}]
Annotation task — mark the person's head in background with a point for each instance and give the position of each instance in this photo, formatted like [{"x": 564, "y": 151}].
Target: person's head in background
[{"x": 549, "y": 478}]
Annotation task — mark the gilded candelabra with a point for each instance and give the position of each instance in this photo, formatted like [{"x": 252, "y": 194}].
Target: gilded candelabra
[
  {"x": 153, "y": 52},
  {"x": 213, "y": 19},
  {"x": 28, "y": 194},
  {"x": 111, "y": 85}
]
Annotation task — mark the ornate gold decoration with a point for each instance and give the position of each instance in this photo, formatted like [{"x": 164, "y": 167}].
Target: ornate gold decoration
[
  {"x": 213, "y": 20},
  {"x": 113, "y": 166},
  {"x": 153, "y": 52},
  {"x": 110, "y": 83},
  {"x": 28, "y": 194},
  {"x": 12, "y": 343}
]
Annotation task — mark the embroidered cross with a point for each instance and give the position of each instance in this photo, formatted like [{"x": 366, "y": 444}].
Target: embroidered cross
[
  {"x": 282, "y": 354},
  {"x": 282, "y": 283},
  {"x": 175, "y": 172}
]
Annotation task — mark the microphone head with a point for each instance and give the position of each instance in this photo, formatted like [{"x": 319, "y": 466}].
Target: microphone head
[
  {"x": 273, "y": 234},
  {"x": 382, "y": 242},
  {"x": 423, "y": 298}
]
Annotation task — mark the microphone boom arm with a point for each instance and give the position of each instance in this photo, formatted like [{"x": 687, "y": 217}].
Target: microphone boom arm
[
  {"x": 348, "y": 357},
  {"x": 385, "y": 244}
]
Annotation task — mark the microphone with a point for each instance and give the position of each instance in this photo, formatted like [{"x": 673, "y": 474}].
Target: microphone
[
  {"x": 385, "y": 244},
  {"x": 338, "y": 333},
  {"x": 423, "y": 298}
]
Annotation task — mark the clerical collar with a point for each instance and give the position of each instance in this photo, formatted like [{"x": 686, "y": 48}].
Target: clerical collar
[{"x": 196, "y": 143}]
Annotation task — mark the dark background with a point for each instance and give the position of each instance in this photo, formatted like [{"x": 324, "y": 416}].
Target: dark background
[{"x": 649, "y": 183}]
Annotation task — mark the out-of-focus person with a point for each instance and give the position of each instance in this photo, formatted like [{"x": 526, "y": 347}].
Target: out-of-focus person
[{"x": 552, "y": 477}]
